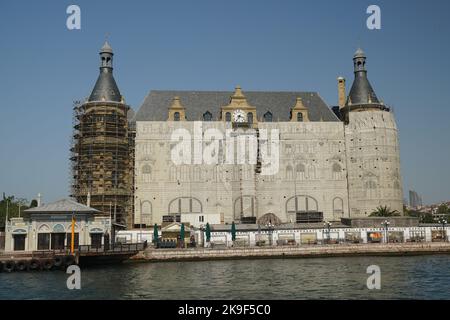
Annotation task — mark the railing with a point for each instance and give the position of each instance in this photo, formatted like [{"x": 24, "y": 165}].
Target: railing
[{"x": 113, "y": 248}]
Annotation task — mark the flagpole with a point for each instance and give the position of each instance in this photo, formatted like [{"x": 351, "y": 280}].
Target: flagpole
[
  {"x": 72, "y": 242},
  {"x": 7, "y": 213}
]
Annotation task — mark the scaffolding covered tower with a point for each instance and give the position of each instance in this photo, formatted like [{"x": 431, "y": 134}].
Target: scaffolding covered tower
[{"x": 101, "y": 152}]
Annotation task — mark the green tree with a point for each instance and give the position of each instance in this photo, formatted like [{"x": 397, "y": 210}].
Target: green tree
[
  {"x": 12, "y": 207},
  {"x": 384, "y": 211},
  {"x": 33, "y": 203},
  {"x": 443, "y": 209},
  {"x": 427, "y": 218}
]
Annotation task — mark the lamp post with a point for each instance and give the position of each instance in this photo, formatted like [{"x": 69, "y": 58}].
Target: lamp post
[
  {"x": 270, "y": 226},
  {"x": 444, "y": 223},
  {"x": 386, "y": 224},
  {"x": 327, "y": 226}
]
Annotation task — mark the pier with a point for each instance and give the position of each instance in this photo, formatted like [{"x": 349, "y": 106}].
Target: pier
[
  {"x": 60, "y": 259},
  {"x": 305, "y": 251}
]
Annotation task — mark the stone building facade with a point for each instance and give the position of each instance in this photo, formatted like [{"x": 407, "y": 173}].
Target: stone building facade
[
  {"x": 249, "y": 157},
  {"x": 330, "y": 164}
]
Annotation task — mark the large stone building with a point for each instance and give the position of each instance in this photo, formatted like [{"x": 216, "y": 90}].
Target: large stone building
[{"x": 265, "y": 157}]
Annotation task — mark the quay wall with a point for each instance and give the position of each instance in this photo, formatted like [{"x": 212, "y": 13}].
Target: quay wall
[{"x": 155, "y": 255}]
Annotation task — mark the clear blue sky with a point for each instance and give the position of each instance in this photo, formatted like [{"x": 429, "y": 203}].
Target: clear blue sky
[{"x": 215, "y": 45}]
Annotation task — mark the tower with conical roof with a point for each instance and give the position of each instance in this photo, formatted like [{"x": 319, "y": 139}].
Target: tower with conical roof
[
  {"x": 101, "y": 163},
  {"x": 372, "y": 147}
]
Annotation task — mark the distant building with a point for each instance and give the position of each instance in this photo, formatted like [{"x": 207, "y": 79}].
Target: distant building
[{"x": 415, "y": 200}]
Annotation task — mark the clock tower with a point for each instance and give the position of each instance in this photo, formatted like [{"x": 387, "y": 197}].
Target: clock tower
[{"x": 239, "y": 111}]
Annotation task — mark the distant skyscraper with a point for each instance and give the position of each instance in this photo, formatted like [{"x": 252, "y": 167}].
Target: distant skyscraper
[{"x": 414, "y": 199}]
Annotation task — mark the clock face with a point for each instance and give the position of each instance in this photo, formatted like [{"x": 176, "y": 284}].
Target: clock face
[{"x": 239, "y": 116}]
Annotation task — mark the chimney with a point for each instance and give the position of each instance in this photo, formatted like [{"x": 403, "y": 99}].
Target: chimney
[
  {"x": 341, "y": 92},
  {"x": 39, "y": 200},
  {"x": 88, "y": 201}
]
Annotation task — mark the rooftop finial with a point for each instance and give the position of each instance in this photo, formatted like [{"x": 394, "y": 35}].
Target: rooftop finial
[{"x": 106, "y": 48}]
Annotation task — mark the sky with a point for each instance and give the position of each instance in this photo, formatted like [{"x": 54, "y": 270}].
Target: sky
[{"x": 216, "y": 45}]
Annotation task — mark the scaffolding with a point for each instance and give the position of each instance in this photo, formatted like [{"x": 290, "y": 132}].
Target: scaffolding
[{"x": 102, "y": 159}]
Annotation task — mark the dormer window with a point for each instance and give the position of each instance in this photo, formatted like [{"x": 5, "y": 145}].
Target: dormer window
[
  {"x": 300, "y": 117},
  {"x": 176, "y": 116},
  {"x": 250, "y": 117},
  {"x": 207, "y": 116},
  {"x": 228, "y": 117},
  {"x": 268, "y": 116}
]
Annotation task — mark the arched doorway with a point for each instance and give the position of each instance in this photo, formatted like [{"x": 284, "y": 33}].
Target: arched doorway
[{"x": 269, "y": 218}]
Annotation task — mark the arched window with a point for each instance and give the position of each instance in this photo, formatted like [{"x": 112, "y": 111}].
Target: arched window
[
  {"x": 197, "y": 174},
  {"x": 244, "y": 207},
  {"x": 269, "y": 218},
  {"x": 338, "y": 208},
  {"x": 299, "y": 117},
  {"x": 311, "y": 172},
  {"x": 371, "y": 189},
  {"x": 185, "y": 205},
  {"x": 172, "y": 173},
  {"x": 300, "y": 171},
  {"x": 289, "y": 173},
  {"x": 207, "y": 116},
  {"x": 337, "y": 171},
  {"x": 176, "y": 116},
  {"x": 250, "y": 117},
  {"x": 228, "y": 117},
  {"x": 147, "y": 173},
  {"x": 301, "y": 203},
  {"x": 146, "y": 212},
  {"x": 268, "y": 116}
]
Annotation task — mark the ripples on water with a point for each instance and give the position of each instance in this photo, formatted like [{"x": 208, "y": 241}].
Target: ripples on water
[{"x": 420, "y": 277}]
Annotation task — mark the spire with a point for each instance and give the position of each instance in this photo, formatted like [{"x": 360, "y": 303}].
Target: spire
[
  {"x": 105, "y": 88},
  {"x": 361, "y": 92}
]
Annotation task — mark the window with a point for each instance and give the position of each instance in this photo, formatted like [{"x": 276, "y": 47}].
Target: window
[
  {"x": 268, "y": 116},
  {"x": 299, "y": 117},
  {"x": 176, "y": 116},
  {"x": 250, "y": 117},
  {"x": 57, "y": 241},
  {"x": 75, "y": 242},
  {"x": 207, "y": 116},
  {"x": 337, "y": 171},
  {"x": 201, "y": 219},
  {"x": 300, "y": 171},
  {"x": 228, "y": 117},
  {"x": 244, "y": 206},
  {"x": 43, "y": 241},
  {"x": 147, "y": 173},
  {"x": 338, "y": 208},
  {"x": 185, "y": 205},
  {"x": 146, "y": 212},
  {"x": 19, "y": 242},
  {"x": 96, "y": 240},
  {"x": 303, "y": 208},
  {"x": 289, "y": 173}
]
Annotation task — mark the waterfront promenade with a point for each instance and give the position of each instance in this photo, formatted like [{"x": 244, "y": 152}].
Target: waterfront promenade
[{"x": 305, "y": 251}]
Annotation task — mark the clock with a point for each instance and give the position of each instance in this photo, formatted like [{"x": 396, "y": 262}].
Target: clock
[{"x": 239, "y": 116}]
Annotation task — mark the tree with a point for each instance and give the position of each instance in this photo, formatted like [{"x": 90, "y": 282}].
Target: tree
[
  {"x": 384, "y": 211},
  {"x": 11, "y": 206},
  {"x": 33, "y": 203},
  {"x": 442, "y": 209}
]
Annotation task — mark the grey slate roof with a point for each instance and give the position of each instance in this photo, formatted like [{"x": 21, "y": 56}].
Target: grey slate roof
[
  {"x": 361, "y": 90},
  {"x": 279, "y": 103},
  {"x": 105, "y": 87},
  {"x": 62, "y": 206}
]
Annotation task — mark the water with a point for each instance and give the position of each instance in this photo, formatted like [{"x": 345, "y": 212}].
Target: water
[{"x": 419, "y": 277}]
